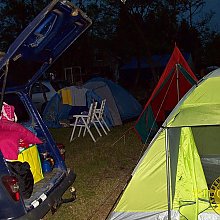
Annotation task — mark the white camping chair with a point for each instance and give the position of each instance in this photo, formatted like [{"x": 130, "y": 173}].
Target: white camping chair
[
  {"x": 85, "y": 121},
  {"x": 99, "y": 116}
]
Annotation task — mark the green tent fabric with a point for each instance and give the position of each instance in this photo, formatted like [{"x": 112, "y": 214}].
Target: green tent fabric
[
  {"x": 191, "y": 193},
  {"x": 201, "y": 107},
  {"x": 173, "y": 177},
  {"x": 149, "y": 177}
]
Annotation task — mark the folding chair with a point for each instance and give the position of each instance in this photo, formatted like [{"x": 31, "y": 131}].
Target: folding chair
[
  {"x": 99, "y": 116},
  {"x": 85, "y": 121}
]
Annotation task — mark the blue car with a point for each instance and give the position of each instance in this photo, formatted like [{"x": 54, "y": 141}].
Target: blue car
[{"x": 31, "y": 54}]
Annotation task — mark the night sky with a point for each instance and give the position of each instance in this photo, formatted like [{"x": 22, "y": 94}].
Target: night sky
[{"x": 213, "y": 5}]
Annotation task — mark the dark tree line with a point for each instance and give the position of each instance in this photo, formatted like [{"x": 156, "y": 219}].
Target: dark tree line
[
  {"x": 143, "y": 28},
  {"x": 137, "y": 28},
  {"x": 15, "y": 15}
]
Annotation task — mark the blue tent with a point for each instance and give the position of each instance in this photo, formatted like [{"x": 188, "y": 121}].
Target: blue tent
[
  {"x": 55, "y": 111},
  {"x": 122, "y": 105},
  {"x": 158, "y": 61},
  {"x": 128, "y": 71}
]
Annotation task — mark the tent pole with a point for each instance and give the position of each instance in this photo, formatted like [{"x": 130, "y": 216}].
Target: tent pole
[
  {"x": 168, "y": 173},
  {"x": 177, "y": 83}
]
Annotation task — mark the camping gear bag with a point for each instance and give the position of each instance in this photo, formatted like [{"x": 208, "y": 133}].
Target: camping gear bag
[
  {"x": 24, "y": 175},
  {"x": 31, "y": 156}
]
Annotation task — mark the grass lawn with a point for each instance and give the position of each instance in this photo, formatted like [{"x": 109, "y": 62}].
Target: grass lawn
[{"x": 102, "y": 169}]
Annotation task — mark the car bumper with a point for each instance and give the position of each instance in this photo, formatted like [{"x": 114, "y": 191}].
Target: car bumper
[{"x": 54, "y": 199}]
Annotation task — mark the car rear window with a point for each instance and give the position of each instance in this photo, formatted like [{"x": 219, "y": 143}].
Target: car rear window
[{"x": 39, "y": 88}]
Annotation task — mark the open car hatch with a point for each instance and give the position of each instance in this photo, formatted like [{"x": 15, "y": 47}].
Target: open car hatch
[{"x": 42, "y": 42}]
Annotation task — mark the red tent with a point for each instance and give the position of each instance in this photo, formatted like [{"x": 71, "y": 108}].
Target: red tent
[{"x": 175, "y": 81}]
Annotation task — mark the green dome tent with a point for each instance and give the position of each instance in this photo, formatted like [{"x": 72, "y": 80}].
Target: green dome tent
[{"x": 173, "y": 178}]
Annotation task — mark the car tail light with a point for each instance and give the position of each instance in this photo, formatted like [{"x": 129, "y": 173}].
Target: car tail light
[
  {"x": 61, "y": 147},
  {"x": 12, "y": 186}
]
